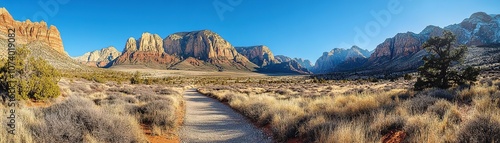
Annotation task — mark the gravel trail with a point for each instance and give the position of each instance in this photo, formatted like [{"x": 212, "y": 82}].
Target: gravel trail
[{"x": 208, "y": 120}]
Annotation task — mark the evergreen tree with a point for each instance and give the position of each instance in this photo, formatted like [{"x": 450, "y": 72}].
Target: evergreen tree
[{"x": 437, "y": 70}]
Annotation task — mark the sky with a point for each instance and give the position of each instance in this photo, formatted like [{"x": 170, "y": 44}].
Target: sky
[{"x": 295, "y": 28}]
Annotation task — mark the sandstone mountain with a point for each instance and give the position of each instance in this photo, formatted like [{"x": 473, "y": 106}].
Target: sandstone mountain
[
  {"x": 264, "y": 58},
  {"x": 329, "y": 60},
  {"x": 302, "y": 62},
  {"x": 43, "y": 42},
  {"x": 207, "y": 47},
  {"x": 27, "y": 31},
  {"x": 282, "y": 58},
  {"x": 147, "y": 50},
  {"x": 290, "y": 67},
  {"x": 99, "y": 58},
  {"x": 260, "y": 55},
  {"x": 404, "y": 52},
  {"x": 198, "y": 50}
]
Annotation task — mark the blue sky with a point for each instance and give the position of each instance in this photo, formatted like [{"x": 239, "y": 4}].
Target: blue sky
[{"x": 296, "y": 28}]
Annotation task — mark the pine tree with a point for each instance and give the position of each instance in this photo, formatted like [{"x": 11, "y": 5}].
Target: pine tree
[{"x": 437, "y": 70}]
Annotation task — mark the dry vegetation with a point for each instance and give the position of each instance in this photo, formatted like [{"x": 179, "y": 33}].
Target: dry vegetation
[
  {"x": 363, "y": 111},
  {"x": 99, "y": 112}
]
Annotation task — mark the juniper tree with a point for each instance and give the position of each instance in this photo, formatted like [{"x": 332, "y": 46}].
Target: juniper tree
[
  {"x": 437, "y": 70},
  {"x": 35, "y": 78}
]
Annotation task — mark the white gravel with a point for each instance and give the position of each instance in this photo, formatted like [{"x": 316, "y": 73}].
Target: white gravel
[{"x": 208, "y": 120}]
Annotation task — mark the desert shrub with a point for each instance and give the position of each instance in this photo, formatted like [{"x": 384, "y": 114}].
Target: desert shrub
[
  {"x": 440, "y": 108},
  {"x": 322, "y": 132},
  {"x": 166, "y": 91},
  {"x": 421, "y": 128},
  {"x": 351, "y": 106},
  {"x": 440, "y": 93},
  {"x": 384, "y": 124},
  {"x": 419, "y": 104},
  {"x": 158, "y": 114},
  {"x": 78, "y": 119},
  {"x": 407, "y": 77},
  {"x": 480, "y": 129},
  {"x": 36, "y": 78},
  {"x": 486, "y": 82},
  {"x": 137, "y": 78}
]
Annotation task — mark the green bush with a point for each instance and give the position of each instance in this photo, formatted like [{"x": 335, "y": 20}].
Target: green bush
[
  {"x": 36, "y": 79},
  {"x": 137, "y": 78}
]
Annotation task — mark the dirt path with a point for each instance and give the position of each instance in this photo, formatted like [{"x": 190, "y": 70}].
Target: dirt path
[{"x": 208, "y": 120}]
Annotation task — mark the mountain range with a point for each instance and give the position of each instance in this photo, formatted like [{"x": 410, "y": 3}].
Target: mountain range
[
  {"x": 206, "y": 50},
  {"x": 403, "y": 52}
]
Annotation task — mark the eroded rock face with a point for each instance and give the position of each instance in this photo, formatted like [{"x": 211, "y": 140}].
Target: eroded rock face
[
  {"x": 203, "y": 45},
  {"x": 99, "y": 58},
  {"x": 329, "y": 60},
  {"x": 206, "y": 46},
  {"x": 403, "y": 52},
  {"x": 304, "y": 63},
  {"x": 28, "y": 31},
  {"x": 147, "y": 50},
  {"x": 260, "y": 55},
  {"x": 282, "y": 58},
  {"x": 150, "y": 42},
  {"x": 291, "y": 67},
  {"x": 403, "y": 44}
]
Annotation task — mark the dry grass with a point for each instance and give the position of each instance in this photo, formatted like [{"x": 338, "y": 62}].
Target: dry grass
[
  {"x": 99, "y": 112},
  {"x": 362, "y": 111}
]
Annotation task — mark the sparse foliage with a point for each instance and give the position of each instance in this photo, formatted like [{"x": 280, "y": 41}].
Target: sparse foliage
[
  {"x": 36, "y": 79},
  {"x": 137, "y": 78},
  {"x": 437, "y": 70}
]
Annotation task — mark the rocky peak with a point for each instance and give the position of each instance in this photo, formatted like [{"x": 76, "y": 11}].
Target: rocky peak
[
  {"x": 329, "y": 60},
  {"x": 480, "y": 17},
  {"x": 151, "y": 42},
  {"x": 304, "y": 63},
  {"x": 283, "y": 58},
  {"x": 131, "y": 45},
  {"x": 99, "y": 58},
  {"x": 28, "y": 31},
  {"x": 203, "y": 45},
  {"x": 260, "y": 55},
  {"x": 432, "y": 30}
]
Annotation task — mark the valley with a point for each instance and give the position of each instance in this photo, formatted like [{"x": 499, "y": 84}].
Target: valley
[{"x": 196, "y": 86}]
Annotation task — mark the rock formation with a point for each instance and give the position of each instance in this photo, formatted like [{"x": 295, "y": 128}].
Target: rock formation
[
  {"x": 329, "y": 60},
  {"x": 147, "y": 50},
  {"x": 260, "y": 55},
  {"x": 304, "y": 63},
  {"x": 209, "y": 47},
  {"x": 27, "y": 31},
  {"x": 99, "y": 58},
  {"x": 403, "y": 52}
]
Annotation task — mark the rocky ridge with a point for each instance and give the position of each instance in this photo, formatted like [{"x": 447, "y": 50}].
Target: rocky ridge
[{"x": 27, "y": 31}]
